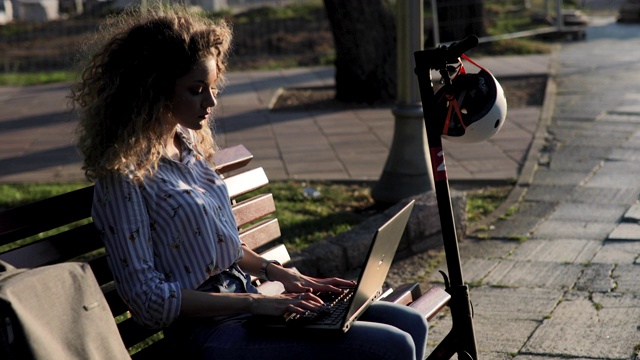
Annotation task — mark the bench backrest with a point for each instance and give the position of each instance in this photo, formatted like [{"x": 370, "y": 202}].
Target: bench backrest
[
  {"x": 258, "y": 229},
  {"x": 253, "y": 212}
]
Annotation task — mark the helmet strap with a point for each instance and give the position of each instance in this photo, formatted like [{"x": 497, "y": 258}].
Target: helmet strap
[
  {"x": 472, "y": 62},
  {"x": 454, "y": 105}
]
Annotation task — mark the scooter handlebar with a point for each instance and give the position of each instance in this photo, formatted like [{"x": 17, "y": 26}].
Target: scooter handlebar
[
  {"x": 438, "y": 58},
  {"x": 456, "y": 49}
]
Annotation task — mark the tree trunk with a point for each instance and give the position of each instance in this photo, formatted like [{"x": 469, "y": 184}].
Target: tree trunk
[
  {"x": 364, "y": 36},
  {"x": 460, "y": 18}
]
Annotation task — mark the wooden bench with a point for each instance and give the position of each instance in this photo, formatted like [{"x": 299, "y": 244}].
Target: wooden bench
[{"x": 258, "y": 228}]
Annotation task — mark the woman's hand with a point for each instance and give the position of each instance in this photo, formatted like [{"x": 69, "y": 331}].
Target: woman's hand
[
  {"x": 289, "y": 303},
  {"x": 298, "y": 283},
  {"x": 203, "y": 304}
]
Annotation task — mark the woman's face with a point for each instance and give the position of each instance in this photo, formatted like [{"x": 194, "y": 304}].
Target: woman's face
[{"x": 195, "y": 95}]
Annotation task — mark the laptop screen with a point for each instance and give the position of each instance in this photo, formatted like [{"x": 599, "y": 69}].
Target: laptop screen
[{"x": 381, "y": 253}]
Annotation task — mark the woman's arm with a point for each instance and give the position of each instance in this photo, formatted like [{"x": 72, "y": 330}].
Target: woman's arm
[
  {"x": 298, "y": 298},
  {"x": 119, "y": 212},
  {"x": 203, "y": 304},
  {"x": 293, "y": 282}
]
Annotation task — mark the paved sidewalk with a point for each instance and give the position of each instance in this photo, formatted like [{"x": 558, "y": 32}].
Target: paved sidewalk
[
  {"x": 561, "y": 277},
  {"x": 36, "y": 131}
]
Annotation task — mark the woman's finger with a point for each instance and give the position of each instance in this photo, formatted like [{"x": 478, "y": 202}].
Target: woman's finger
[
  {"x": 308, "y": 297},
  {"x": 334, "y": 281}
]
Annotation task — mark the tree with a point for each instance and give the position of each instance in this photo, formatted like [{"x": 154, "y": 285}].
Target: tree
[
  {"x": 460, "y": 18},
  {"x": 364, "y": 34}
]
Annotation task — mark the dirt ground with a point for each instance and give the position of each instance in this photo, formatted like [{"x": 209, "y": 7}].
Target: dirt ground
[{"x": 520, "y": 92}]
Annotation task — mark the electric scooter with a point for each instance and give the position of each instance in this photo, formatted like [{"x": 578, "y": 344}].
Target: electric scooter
[{"x": 461, "y": 339}]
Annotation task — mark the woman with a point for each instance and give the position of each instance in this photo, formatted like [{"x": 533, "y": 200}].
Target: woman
[{"x": 145, "y": 102}]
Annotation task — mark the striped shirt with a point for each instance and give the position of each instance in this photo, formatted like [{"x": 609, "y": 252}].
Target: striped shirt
[{"x": 172, "y": 232}]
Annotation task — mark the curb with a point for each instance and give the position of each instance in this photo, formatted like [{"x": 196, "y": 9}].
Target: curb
[{"x": 530, "y": 165}]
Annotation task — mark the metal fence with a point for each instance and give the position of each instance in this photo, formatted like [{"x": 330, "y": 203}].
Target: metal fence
[
  {"x": 28, "y": 46},
  {"x": 499, "y": 20},
  {"x": 303, "y": 38}
]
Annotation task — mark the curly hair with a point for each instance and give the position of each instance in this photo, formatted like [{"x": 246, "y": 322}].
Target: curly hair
[{"x": 127, "y": 86}]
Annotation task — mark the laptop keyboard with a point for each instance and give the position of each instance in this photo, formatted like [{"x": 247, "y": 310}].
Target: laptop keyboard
[{"x": 337, "y": 306}]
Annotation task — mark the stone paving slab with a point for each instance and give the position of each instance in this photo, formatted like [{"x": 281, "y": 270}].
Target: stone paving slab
[
  {"x": 633, "y": 213},
  {"x": 626, "y": 153},
  {"x": 604, "y": 195},
  {"x": 580, "y": 165},
  {"x": 514, "y": 303},
  {"x": 473, "y": 270},
  {"x": 560, "y": 177},
  {"x": 486, "y": 248},
  {"x": 519, "y": 225},
  {"x": 620, "y": 167},
  {"x": 576, "y": 211},
  {"x": 478, "y": 258},
  {"x": 627, "y": 279},
  {"x": 610, "y": 128},
  {"x": 580, "y": 328},
  {"x": 568, "y": 229},
  {"x": 578, "y": 153},
  {"x": 597, "y": 278},
  {"x": 537, "y": 357},
  {"x": 568, "y": 251},
  {"x": 612, "y": 180},
  {"x": 603, "y": 137},
  {"x": 630, "y": 110},
  {"x": 548, "y": 275},
  {"x": 625, "y": 232},
  {"x": 615, "y": 252},
  {"x": 504, "y": 318},
  {"x": 548, "y": 193},
  {"x": 503, "y": 335}
]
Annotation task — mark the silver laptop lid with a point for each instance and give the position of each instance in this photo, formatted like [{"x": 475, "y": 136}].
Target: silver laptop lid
[{"x": 381, "y": 253}]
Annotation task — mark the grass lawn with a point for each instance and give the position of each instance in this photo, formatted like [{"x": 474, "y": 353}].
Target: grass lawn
[
  {"x": 36, "y": 78},
  {"x": 307, "y": 211}
]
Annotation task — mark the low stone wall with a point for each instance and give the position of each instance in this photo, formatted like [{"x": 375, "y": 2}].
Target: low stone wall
[{"x": 346, "y": 252}]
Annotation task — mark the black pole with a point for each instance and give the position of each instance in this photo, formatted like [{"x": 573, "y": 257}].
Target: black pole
[
  {"x": 461, "y": 339},
  {"x": 434, "y": 130}
]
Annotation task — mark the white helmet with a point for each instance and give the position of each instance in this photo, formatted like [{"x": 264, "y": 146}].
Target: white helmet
[{"x": 474, "y": 107}]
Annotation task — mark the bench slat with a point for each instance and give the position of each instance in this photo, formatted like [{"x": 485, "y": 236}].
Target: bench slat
[
  {"x": 278, "y": 253},
  {"x": 101, "y": 270},
  {"x": 57, "y": 248},
  {"x": 246, "y": 182},
  {"x": 32, "y": 219},
  {"x": 404, "y": 294},
  {"x": 231, "y": 159},
  {"x": 132, "y": 333},
  {"x": 117, "y": 306},
  {"x": 250, "y": 210},
  {"x": 261, "y": 233},
  {"x": 434, "y": 300}
]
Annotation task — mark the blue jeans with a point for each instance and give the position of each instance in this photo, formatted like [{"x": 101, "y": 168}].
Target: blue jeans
[{"x": 384, "y": 331}]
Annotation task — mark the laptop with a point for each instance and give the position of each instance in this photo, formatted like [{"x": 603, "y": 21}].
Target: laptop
[{"x": 355, "y": 301}]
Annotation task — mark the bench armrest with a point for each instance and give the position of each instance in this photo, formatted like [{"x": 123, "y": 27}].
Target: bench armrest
[{"x": 428, "y": 304}]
